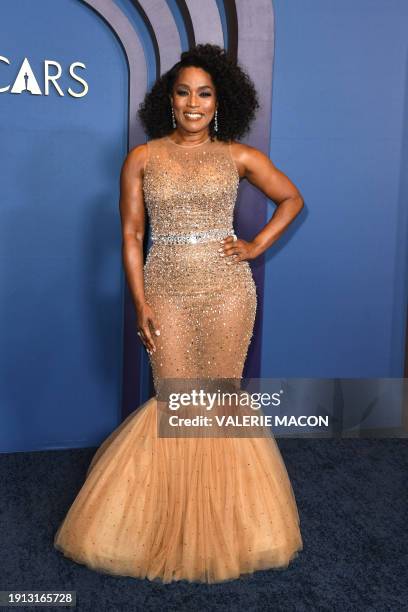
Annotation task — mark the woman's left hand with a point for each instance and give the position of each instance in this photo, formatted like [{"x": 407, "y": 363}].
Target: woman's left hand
[{"x": 237, "y": 250}]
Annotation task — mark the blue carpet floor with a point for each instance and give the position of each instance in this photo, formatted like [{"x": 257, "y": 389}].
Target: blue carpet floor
[{"x": 352, "y": 497}]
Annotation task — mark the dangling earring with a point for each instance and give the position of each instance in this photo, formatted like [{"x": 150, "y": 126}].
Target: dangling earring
[
  {"x": 173, "y": 117},
  {"x": 216, "y": 121}
]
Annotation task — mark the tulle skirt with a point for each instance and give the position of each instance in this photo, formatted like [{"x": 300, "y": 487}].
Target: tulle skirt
[{"x": 195, "y": 509}]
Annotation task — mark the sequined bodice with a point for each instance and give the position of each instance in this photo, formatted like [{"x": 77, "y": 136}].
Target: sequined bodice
[
  {"x": 203, "y": 302},
  {"x": 189, "y": 188}
]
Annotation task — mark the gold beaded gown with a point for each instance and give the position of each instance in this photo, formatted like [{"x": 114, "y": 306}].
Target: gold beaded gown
[{"x": 199, "y": 509}]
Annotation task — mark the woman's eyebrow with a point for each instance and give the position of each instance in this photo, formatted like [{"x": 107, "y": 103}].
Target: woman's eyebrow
[{"x": 201, "y": 86}]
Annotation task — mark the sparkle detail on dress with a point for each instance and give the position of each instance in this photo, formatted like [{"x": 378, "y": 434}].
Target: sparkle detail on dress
[
  {"x": 193, "y": 238},
  {"x": 204, "y": 304}
]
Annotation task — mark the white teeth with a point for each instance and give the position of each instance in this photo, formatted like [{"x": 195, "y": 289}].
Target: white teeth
[{"x": 193, "y": 115}]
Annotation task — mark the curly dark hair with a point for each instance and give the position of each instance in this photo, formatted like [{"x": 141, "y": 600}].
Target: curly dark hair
[{"x": 236, "y": 95}]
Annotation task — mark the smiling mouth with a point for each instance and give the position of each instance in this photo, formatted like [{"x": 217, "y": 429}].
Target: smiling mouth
[{"x": 193, "y": 116}]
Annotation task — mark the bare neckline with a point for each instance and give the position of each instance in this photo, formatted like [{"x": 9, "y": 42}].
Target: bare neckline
[{"x": 188, "y": 146}]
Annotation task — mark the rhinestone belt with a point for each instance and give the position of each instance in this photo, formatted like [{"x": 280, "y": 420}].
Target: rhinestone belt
[{"x": 192, "y": 238}]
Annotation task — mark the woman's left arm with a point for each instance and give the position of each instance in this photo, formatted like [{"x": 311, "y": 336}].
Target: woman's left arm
[{"x": 259, "y": 170}]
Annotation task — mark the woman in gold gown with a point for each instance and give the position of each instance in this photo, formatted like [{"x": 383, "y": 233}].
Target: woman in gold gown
[{"x": 204, "y": 509}]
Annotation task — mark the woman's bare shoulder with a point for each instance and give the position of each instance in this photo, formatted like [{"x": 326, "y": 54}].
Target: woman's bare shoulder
[
  {"x": 242, "y": 154},
  {"x": 241, "y": 150},
  {"x": 135, "y": 160}
]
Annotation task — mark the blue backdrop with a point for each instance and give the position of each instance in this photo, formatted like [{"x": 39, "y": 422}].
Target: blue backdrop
[
  {"x": 61, "y": 273},
  {"x": 335, "y": 294},
  {"x": 336, "y": 283}
]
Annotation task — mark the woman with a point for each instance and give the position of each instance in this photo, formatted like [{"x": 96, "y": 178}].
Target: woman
[{"x": 173, "y": 508}]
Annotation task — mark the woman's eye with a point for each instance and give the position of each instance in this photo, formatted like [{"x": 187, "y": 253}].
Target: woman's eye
[{"x": 185, "y": 93}]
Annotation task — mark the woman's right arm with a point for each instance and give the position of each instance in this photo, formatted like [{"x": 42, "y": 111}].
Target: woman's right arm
[{"x": 132, "y": 213}]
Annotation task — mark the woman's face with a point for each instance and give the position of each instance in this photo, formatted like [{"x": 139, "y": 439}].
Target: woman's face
[{"x": 194, "y": 100}]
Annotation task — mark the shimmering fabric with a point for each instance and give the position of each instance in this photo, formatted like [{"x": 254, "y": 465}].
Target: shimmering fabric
[
  {"x": 205, "y": 305},
  {"x": 200, "y": 509},
  {"x": 193, "y": 238}
]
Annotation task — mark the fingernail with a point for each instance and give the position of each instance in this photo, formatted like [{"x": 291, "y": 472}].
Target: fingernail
[
  {"x": 222, "y": 241},
  {"x": 222, "y": 254},
  {"x": 220, "y": 249},
  {"x": 157, "y": 332}
]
